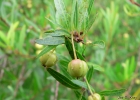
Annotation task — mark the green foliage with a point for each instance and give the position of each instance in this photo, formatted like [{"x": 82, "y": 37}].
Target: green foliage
[
  {"x": 112, "y": 92},
  {"x": 122, "y": 73},
  {"x": 109, "y": 47},
  {"x": 90, "y": 73},
  {"x": 62, "y": 79}
]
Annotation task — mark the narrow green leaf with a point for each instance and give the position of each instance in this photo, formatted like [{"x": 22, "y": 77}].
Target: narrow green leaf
[
  {"x": 90, "y": 73},
  {"x": 91, "y": 22},
  {"x": 34, "y": 25},
  {"x": 103, "y": 98},
  {"x": 78, "y": 95},
  {"x": 66, "y": 33},
  {"x": 64, "y": 71},
  {"x": 51, "y": 41},
  {"x": 132, "y": 66},
  {"x": 59, "y": 32},
  {"x": 96, "y": 67},
  {"x": 75, "y": 20},
  {"x": 69, "y": 47},
  {"x": 11, "y": 33},
  {"x": 10, "y": 75},
  {"x": 100, "y": 44},
  {"x": 79, "y": 55},
  {"x": 53, "y": 22},
  {"x": 50, "y": 31},
  {"x": 80, "y": 83},
  {"x": 63, "y": 64},
  {"x": 90, "y": 6},
  {"x": 72, "y": 13},
  {"x": 62, "y": 79},
  {"x": 22, "y": 37},
  {"x": 112, "y": 92},
  {"x": 61, "y": 13},
  {"x": 45, "y": 50}
]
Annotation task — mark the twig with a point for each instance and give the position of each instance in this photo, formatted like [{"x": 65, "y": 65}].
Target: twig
[
  {"x": 88, "y": 86},
  {"x": 135, "y": 3},
  {"x": 56, "y": 90}
]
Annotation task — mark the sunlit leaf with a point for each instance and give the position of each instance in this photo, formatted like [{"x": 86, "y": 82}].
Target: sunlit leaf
[
  {"x": 51, "y": 40},
  {"x": 61, "y": 13}
]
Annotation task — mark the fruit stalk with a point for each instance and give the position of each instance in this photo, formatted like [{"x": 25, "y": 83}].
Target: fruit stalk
[
  {"x": 88, "y": 86},
  {"x": 75, "y": 57}
]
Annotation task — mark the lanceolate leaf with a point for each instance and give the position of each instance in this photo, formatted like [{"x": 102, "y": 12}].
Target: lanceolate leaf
[
  {"x": 78, "y": 95},
  {"x": 61, "y": 11},
  {"x": 100, "y": 44},
  {"x": 51, "y": 41},
  {"x": 22, "y": 38},
  {"x": 96, "y": 67},
  {"x": 91, "y": 22},
  {"x": 75, "y": 21},
  {"x": 79, "y": 55},
  {"x": 112, "y": 92},
  {"x": 59, "y": 32},
  {"x": 69, "y": 47},
  {"x": 62, "y": 79},
  {"x": 90, "y": 73},
  {"x": 90, "y": 6},
  {"x": 45, "y": 50},
  {"x": 80, "y": 83}
]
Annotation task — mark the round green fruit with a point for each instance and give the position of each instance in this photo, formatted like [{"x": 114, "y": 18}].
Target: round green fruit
[
  {"x": 95, "y": 96},
  {"x": 90, "y": 97},
  {"x": 38, "y": 46},
  {"x": 49, "y": 59},
  {"x": 77, "y": 68}
]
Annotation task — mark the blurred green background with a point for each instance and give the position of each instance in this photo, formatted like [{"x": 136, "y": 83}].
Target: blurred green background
[{"x": 23, "y": 78}]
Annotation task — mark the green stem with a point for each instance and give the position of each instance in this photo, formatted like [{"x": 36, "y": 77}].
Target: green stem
[
  {"x": 73, "y": 46},
  {"x": 88, "y": 86}
]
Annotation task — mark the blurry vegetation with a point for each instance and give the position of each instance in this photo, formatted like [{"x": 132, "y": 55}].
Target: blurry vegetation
[{"x": 23, "y": 21}]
